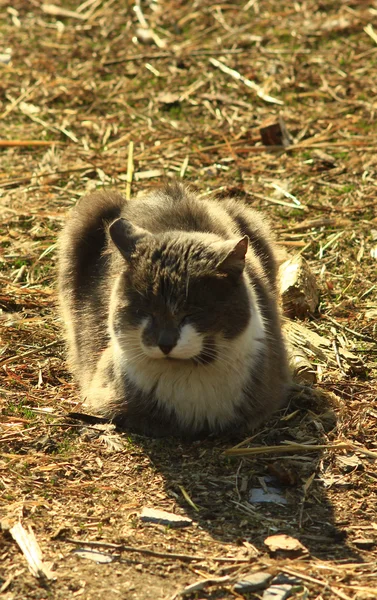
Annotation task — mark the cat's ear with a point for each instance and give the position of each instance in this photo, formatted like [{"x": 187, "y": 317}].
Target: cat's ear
[
  {"x": 234, "y": 262},
  {"x": 125, "y": 236}
]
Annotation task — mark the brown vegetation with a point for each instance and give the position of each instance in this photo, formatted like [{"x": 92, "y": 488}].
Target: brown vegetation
[{"x": 103, "y": 94}]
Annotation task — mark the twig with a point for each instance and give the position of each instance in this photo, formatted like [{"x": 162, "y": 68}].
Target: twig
[
  {"x": 294, "y": 447},
  {"x": 158, "y": 55},
  {"x": 251, "y": 84},
  {"x": 8, "y": 581},
  {"x": 199, "y": 585},
  {"x": 58, "y": 11},
  {"x": 331, "y": 241},
  {"x": 10, "y": 359},
  {"x": 86, "y": 4},
  {"x": 22, "y": 143},
  {"x": 184, "y": 167},
  {"x": 249, "y": 4},
  {"x": 337, "y": 357},
  {"x": 188, "y": 499},
  {"x": 370, "y": 31},
  {"x": 130, "y": 169},
  {"x": 286, "y": 194},
  {"x": 362, "y": 336},
  {"x": 247, "y": 509},
  {"x": 317, "y": 581},
  {"x": 62, "y": 130},
  {"x": 22, "y": 180},
  {"x": 139, "y": 15},
  {"x": 172, "y": 555},
  {"x": 280, "y": 202},
  {"x": 20, "y": 99}
]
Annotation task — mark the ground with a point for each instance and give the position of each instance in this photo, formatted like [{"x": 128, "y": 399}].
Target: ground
[{"x": 88, "y": 100}]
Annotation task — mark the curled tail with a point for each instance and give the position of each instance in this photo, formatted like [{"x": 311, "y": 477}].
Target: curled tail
[
  {"x": 84, "y": 238},
  {"x": 82, "y": 270}
]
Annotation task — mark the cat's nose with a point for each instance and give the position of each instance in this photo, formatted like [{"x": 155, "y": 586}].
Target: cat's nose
[
  {"x": 165, "y": 348},
  {"x": 167, "y": 339}
]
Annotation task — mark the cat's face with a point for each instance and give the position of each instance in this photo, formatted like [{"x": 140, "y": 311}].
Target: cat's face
[{"x": 181, "y": 296}]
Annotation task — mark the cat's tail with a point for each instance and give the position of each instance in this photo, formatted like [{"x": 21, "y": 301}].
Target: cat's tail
[
  {"x": 82, "y": 249},
  {"x": 84, "y": 237},
  {"x": 87, "y": 221}
]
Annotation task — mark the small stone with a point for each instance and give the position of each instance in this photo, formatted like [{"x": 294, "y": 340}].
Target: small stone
[
  {"x": 94, "y": 555},
  {"x": 277, "y": 592},
  {"x": 253, "y": 582},
  {"x": 271, "y": 494},
  {"x": 152, "y": 515},
  {"x": 365, "y": 543}
]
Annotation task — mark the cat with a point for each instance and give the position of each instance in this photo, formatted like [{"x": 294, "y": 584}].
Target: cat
[{"x": 171, "y": 315}]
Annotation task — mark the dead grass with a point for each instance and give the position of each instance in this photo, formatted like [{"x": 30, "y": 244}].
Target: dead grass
[{"x": 81, "y": 83}]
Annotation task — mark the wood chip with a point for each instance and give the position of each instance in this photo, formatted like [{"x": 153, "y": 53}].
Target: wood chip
[
  {"x": 32, "y": 552},
  {"x": 298, "y": 288},
  {"x": 275, "y": 133},
  {"x": 300, "y": 337}
]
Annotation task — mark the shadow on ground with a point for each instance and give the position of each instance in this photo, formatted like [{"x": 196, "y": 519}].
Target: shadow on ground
[{"x": 214, "y": 489}]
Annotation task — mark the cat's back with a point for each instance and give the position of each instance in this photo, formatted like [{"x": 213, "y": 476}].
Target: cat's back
[
  {"x": 173, "y": 207},
  {"x": 176, "y": 207}
]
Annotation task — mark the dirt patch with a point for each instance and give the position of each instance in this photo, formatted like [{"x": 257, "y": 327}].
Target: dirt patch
[{"x": 87, "y": 100}]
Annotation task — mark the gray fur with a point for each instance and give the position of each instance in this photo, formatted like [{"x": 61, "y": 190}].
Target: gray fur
[{"x": 160, "y": 272}]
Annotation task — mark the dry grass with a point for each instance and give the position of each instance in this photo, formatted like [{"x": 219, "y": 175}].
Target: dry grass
[{"x": 83, "y": 105}]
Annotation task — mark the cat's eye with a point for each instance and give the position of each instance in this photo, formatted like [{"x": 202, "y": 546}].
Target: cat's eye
[{"x": 186, "y": 319}]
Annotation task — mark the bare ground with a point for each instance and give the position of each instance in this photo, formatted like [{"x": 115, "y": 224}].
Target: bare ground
[{"x": 84, "y": 85}]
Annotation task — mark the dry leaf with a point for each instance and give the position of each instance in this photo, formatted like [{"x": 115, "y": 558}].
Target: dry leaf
[{"x": 284, "y": 543}]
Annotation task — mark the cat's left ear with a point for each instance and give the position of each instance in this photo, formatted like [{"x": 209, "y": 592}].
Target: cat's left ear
[
  {"x": 234, "y": 262},
  {"x": 125, "y": 236}
]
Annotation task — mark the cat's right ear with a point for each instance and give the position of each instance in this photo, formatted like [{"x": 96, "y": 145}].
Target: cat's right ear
[{"x": 125, "y": 236}]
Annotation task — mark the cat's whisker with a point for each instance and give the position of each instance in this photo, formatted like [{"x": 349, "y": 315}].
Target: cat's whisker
[
  {"x": 221, "y": 362},
  {"x": 216, "y": 359}
]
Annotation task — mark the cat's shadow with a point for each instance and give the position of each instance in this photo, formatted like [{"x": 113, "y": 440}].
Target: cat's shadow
[{"x": 214, "y": 489}]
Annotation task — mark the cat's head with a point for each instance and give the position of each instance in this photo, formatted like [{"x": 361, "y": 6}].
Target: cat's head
[{"x": 180, "y": 295}]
